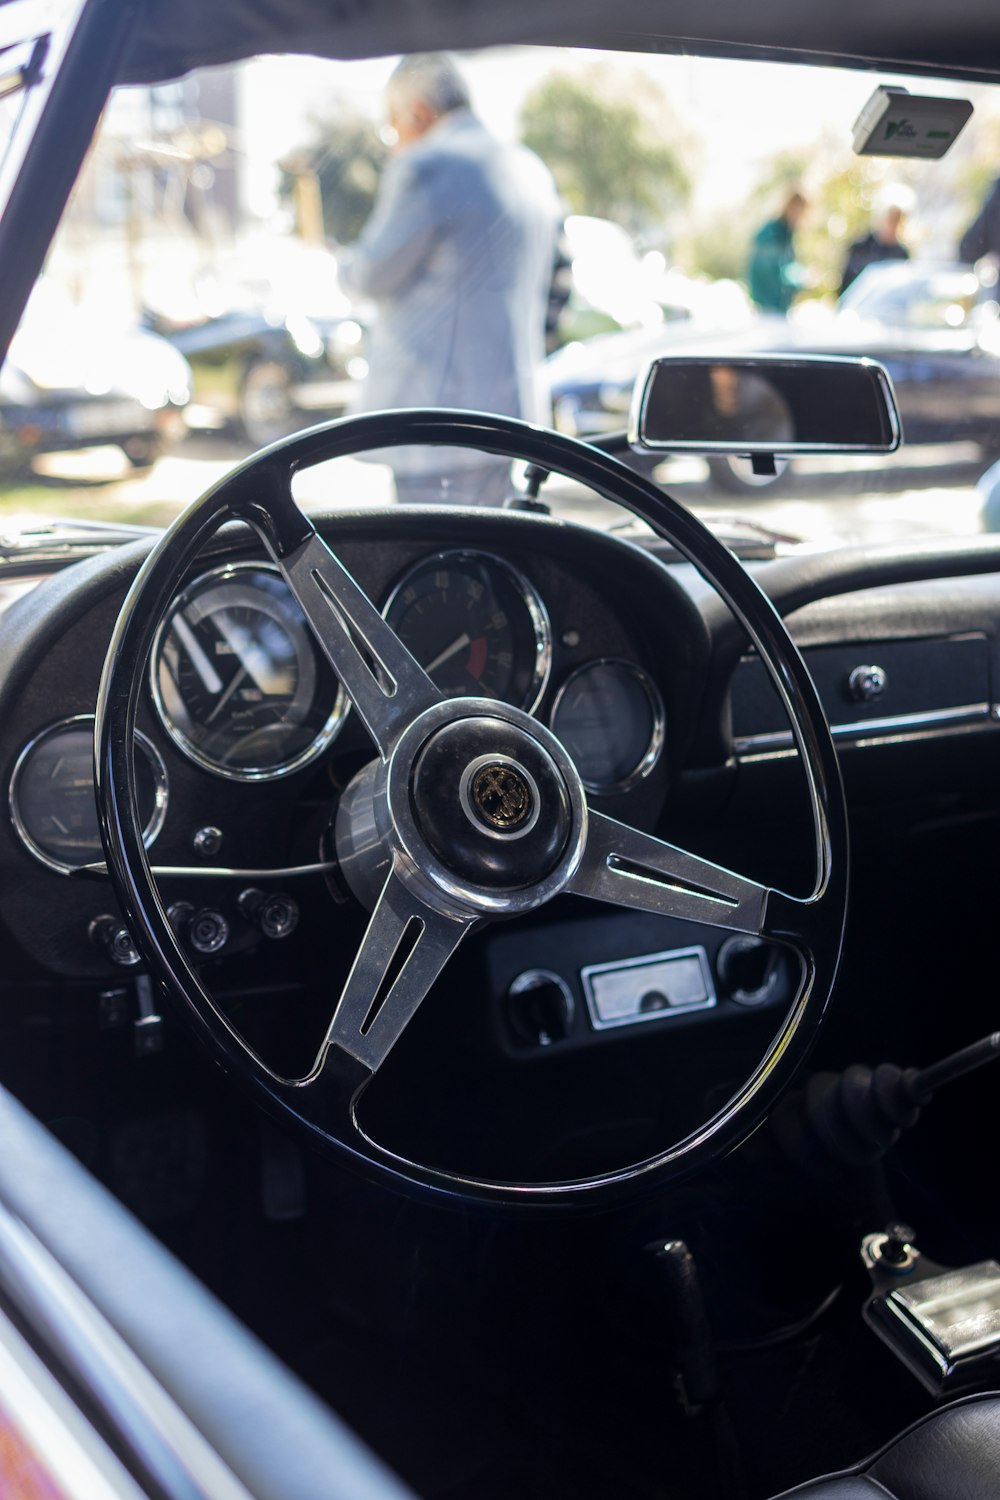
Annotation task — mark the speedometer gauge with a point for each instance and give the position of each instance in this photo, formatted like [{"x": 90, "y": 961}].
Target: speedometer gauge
[
  {"x": 53, "y": 804},
  {"x": 609, "y": 716},
  {"x": 476, "y": 626},
  {"x": 237, "y": 679}
]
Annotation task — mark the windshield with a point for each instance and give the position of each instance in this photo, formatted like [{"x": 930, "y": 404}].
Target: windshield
[{"x": 229, "y": 271}]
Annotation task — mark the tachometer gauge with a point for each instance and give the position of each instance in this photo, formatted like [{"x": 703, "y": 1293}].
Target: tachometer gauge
[
  {"x": 609, "y": 716},
  {"x": 476, "y": 627},
  {"x": 237, "y": 679},
  {"x": 53, "y": 804}
]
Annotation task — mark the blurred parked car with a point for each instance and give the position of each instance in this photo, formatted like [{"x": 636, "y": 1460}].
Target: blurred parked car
[
  {"x": 612, "y": 285},
  {"x": 274, "y": 343},
  {"x": 73, "y": 382},
  {"x": 285, "y": 370},
  {"x": 934, "y": 325}
]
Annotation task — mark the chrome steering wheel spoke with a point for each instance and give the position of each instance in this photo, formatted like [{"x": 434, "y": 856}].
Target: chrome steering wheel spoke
[
  {"x": 629, "y": 868},
  {"x": 405, "y": 947},
  {"x": 384, "y": 682}
]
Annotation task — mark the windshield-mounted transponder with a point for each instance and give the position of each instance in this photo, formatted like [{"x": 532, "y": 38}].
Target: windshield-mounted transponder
[{"x": 895, "y": 122}]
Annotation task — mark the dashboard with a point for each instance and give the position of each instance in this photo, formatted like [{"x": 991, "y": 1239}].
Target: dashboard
[
  {"x": 239, "y": 699},
  {"x": 246, "y": 742}
]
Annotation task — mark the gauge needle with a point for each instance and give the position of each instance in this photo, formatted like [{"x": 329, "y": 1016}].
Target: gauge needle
[
  {"x": 211, "y": 681},
  {"x": 266, "y": 675},
  {"x": 449, "y": 651},
  {"x": 230, "y": 690}
]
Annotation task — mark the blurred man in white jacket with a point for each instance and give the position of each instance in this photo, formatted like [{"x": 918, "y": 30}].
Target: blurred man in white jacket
[{"x": 458, "y": 256}]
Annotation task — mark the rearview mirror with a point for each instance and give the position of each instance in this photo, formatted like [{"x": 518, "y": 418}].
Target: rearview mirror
[{"x": 766, "y": 404}]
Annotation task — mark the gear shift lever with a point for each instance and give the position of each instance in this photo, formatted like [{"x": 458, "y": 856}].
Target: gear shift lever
[{"x": 851, "y": 1119}]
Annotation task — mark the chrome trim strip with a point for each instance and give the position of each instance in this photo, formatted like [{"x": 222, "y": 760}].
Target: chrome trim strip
[
  {"x": 537, "y": 612},
  {"x": 316, "y": 746},
  {"x": 966, "y": 713},
  {"x": 79, "y": 721},
  {"x": 53, "y": 1429},
  {"x": 99, "y": 869},
  {"x": 69, "y": 1331}
]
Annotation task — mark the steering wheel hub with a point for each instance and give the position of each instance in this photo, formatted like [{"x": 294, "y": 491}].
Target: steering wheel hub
[
  {"x": 482, "y": 807},
  {"x": 490, "y": 803}
]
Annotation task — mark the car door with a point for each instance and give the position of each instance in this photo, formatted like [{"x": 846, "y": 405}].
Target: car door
[{"x": 121, "y": 1376}]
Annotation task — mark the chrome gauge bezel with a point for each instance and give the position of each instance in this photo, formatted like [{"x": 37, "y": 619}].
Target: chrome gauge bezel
[
  {"x": 316, "y": 746},
  {"x": 538, "y": 614},
  {"x": 657, "y": 738},
  {"x": 81, "y": 721}
]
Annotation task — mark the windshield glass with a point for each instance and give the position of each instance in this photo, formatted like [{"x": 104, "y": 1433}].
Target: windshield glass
[{"x": 232, "y": 264}]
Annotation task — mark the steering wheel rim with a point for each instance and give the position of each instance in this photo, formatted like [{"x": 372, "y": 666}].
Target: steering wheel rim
[{"x": 390, "y": 693}]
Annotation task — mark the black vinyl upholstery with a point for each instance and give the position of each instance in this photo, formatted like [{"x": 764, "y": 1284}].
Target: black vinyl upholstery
[{"x": 953, "y": 1454}]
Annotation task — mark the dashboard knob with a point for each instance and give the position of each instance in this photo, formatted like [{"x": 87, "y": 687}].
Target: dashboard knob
[
  {"x": 111, "y": 934},
  {"x": 540, "y": 1007},
  {"x": 207, "y": 841},
  {"x": 750, "y": 969},
  {"x": 867, "y": 683},
  {"x": 275, "y": 915},
  {"x": 205, "y": 929}
]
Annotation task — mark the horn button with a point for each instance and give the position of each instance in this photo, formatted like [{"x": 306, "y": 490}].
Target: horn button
[{"x": 490, "y": 803}]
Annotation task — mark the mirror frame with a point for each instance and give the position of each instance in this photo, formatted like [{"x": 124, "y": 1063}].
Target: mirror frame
[{"x": 877, "y": 373}]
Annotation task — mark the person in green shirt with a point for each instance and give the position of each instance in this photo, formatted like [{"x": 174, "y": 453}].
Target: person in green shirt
[{"x": 773, "y": 273}]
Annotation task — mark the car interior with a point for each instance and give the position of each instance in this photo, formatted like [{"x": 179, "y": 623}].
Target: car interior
[{"x": 492, "y": 1005}]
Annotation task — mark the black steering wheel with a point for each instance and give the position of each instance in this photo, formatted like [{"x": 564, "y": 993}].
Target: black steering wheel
[{"x": 477, "y": 810}]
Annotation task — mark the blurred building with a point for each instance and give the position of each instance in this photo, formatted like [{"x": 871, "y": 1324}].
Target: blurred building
[{"x": 159, "y": 198}]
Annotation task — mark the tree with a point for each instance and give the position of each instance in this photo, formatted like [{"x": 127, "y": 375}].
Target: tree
[
  {"x": 347, "y": 156},
  {"x": 975, "y": 165},
  {"x": 605, "y": 136},
  {"x": 716, "y": 247}
]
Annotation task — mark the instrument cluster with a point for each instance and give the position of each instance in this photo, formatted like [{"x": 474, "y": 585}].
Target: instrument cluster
[{"x": 240, "y": 687}]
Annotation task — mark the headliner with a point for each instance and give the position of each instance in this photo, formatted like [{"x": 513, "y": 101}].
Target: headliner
[{"x": 174, "y": 36}]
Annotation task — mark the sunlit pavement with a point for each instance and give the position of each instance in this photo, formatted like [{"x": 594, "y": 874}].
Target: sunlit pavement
[{"x": 824, "y": 503}]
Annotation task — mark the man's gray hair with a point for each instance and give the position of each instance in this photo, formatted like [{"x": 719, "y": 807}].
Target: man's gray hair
[{"x": 432, "y": 78}]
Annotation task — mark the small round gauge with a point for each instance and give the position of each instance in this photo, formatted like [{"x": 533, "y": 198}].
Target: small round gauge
[
  {"x": 53, "y": 804},
  {"x": 609, "y": 716},
  {"x": 237, "y": 679},
  {"x": 476, "y": 627}
]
